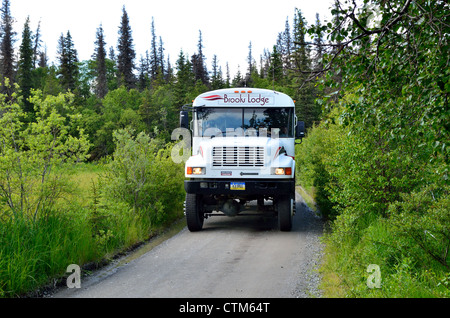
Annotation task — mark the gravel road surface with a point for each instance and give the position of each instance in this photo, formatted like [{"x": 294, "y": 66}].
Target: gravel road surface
[{"x": 230, "y": 257}]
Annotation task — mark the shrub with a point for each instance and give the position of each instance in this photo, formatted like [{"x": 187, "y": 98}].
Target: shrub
[
  {"x": 314, "y": 157},
  {"x": 424, "y": 217},
  {"x": 29, "y": 155},
  {"x": 144, "y": 177}
]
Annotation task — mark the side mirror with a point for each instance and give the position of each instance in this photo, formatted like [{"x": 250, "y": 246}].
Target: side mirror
[
  {"x": 184, "y": 119},
  {"x": 300, "y": 130}
]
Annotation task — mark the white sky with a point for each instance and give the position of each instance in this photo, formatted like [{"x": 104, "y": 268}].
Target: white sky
[{"x": 227, "y": 26}]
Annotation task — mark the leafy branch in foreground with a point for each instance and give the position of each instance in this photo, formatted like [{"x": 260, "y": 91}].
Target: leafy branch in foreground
[{"x": 400, "y": 68}]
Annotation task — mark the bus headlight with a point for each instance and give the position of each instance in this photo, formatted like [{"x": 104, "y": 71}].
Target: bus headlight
[
  {"x": 195, "y": 170},
  {"x": 282, "y": 171}
]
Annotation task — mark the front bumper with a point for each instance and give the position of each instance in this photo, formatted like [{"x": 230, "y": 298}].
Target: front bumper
[{"x": 252, "y": 187}]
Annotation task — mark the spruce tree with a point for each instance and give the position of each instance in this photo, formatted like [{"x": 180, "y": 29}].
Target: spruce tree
[
  {"x": 169, "y": 76},
  {"x": 318, "y": 43},
  {"x": 25, "y": 67},
  {"x": 300, "y": 76},
  {"x": 154, "y": 61},
  {"x": 126, "y": 55},
  {"x": 143, "y": 79},
  {"x": 238, "y": 81},
  {"x": 198, "y": 63},
  {"x": 37, "y": 45},
  {"x": 7, "y": 46},
  {"x": 161, "y": 66},
  {"x": 228, "y": 80},
  {"x": 101, "y": 87},
  {"x": 300, "y": 54},
  {"x": 43, "y": 59},
  {"x": 251, "y": 67},
  {"x": 216, "y": 78},
  {"x": 287, "y": 46},
  {"x": 185, "y": 80},
  {"x": 68, "y": 62},
  {"x": 275, "y": 71}
]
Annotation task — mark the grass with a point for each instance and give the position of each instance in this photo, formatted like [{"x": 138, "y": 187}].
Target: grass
[
  {"x": 308, "y": 195},
  {"x": 406, "y": 271},
  {"x": 80, "y": 229}
]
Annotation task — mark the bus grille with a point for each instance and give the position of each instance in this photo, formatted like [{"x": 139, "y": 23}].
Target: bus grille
[{"x": 238, "y": 156}]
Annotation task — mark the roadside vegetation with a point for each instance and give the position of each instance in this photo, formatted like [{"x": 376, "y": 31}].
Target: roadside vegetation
[
  {"x": 378, "y": 162},
  {"x": 85, "y": 146},
  {"x": 58, "y": 210}
]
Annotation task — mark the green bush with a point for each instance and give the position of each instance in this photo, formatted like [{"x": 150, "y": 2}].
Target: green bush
[
  {"x": 314, "y": 160},
  {"x": 388, "y": 203},
  {"x": 144, "y": 177},
  {"x": 31, "y": 154},
  {"x": 424, "y": 217}
]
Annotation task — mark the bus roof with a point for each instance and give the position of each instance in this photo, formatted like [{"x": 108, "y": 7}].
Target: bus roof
[{"x": 239, "y": 97}]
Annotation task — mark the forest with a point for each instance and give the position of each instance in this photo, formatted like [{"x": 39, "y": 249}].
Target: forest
[
  {"x": 85, "y": 145},
  {"x": 114, "y": 90}
]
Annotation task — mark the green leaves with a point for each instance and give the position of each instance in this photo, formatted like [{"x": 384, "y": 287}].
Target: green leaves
[
  {"x": 391, "y": 167},
  {"x": 144, "y": 177},
  {"x": 30, "y": 154}
]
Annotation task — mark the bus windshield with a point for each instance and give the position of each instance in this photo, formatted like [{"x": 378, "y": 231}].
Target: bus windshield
[{"x": 214, "y": 122}]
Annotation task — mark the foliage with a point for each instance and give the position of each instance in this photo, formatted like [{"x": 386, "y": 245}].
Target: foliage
[
  {"x": 425, "y": 217},
  {"x": 144, "y": 177},
  {"x": 29, "y": 155},
  {"x": 316, "y": 159},
  {"x": 376, "y": 156},
  {"x": 387, "y": 179}
]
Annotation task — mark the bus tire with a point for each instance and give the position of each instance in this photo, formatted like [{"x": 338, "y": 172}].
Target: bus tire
[
  {"x": 285, "y": 212},
  {"x": 194, "y": 212}
]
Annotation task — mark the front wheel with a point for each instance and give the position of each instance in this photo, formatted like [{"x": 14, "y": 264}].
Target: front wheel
[
  {"x": 285, "y": 212},
  {"x": 194, "y": 212}
]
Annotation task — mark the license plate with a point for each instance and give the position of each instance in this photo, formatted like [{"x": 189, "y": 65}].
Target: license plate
[{"x": 237, "y": 186}]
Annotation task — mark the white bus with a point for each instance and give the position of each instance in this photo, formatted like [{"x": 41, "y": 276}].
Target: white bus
[{"x": 242, "y": 150}]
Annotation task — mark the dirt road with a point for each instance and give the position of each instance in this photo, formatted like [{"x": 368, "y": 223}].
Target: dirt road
[{"x": 231, "y": 257}]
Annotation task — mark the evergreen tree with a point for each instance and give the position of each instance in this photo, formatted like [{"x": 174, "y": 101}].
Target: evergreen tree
[
  {"x": 238, "y": 81},
  {"x": 228, "y": 80},
  {"x": 265, "y": 64},
  {"x": 300, "y": 76},
  {"x": 198, "y": 63},
  {"x": 275, "y": 71},
  {"x": 318, "y": 43},
  {"x": 251, "y": 69},
  {"x": 250, "y": 60},
  {"x": 161, "y": 67},
  {"x": 101, "y": 87},
  {"x": 144, "y": 79},
  {"x": 7, "y": 46},
  {"x": 112, "y": 54},
  {"x": 287, "y": 46},
  {"x": 126, "y": 56},
  {"x": 25, "y": 69},
  {"x": 300, "y": 54},
  {"x": 43, "y": 59},
  {"x": 185, "y": 80},
  {"x": 216, "y": 78},
  {"x": 37, "y": 45},
  {"x": 154, "y": 62},
  {"x": 68, "y": 62},
  {"x": 169, "y": 76}
]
